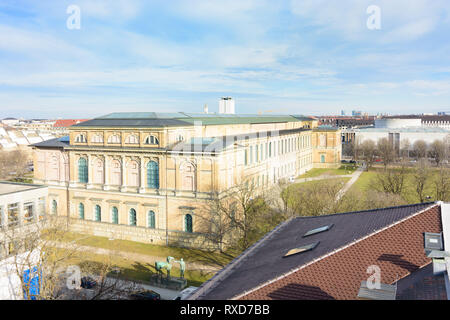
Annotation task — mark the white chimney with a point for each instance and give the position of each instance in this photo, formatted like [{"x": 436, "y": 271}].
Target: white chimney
[
  {"x": 226, "y": 105},
  {"x": 205, "y": 108}
]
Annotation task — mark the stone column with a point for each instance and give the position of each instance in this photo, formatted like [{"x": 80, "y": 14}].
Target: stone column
[
  {"x": 142, "y": 175},
  {"x": 123, "y": 187},
  {"x": 90, "y": 166},
  {"x": 106, "y": 173}
]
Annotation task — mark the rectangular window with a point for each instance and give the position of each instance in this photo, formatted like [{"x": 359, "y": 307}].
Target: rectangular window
[
  {"x": 256, "y": 154},
  {"x": 251, "y": 154},
  {"x": 13, "y": 214},
  {"x": 246, "y": 157},
  {"x": 28, "y": 212}
]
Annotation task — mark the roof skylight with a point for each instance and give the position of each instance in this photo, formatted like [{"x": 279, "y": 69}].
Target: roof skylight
[
  {"x": 318, "y": 230},
  {"x": 301, "y": 249}
]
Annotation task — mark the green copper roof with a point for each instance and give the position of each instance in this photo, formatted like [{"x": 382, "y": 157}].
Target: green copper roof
[{"x": 154, "y": 119}]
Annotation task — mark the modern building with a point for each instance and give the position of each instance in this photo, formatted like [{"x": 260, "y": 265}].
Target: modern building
[
  {"x": 391, "y": 253},
  {"x": 22, "y": 210},
  {"x": 146, "y": 176},
  {"x": 399, "y": 130}
]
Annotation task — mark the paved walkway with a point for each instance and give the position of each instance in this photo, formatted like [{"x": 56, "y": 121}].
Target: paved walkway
[
  {"x": 324, "y": 177},
  {"x": 347, "y": 186},
  {"x": 134, "y": 256}
]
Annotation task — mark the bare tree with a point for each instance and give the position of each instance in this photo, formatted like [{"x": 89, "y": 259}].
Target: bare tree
[
  {"x": 420, "y": 149},
  {"x": 316, "y": 198},
  {"x": 368, "y": 151},
  {"x": 438, "y": 151},
  {"x": 441, "y": 183},
  {"x": 392, "y": 180},
  {"x": 216, "y": 219},
  {"x": 421, "y": 176},
  {"x": 405, "y": 146},
  {"x": 48, "y": 268},
  {"x": 378, "y": 200},
  {"x": 13, "y": 164},
  {"x": 385, "y": 151}
]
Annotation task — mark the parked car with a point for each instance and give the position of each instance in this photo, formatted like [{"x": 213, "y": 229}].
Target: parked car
[
  {"x": 145, "y": 295},
  {"x": 291, "y": 179},
  {"x": 88, "y": 283},
  {"x": 185, "y": 293}
]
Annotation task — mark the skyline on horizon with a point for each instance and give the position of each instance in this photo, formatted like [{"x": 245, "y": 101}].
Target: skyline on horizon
[{"x": 310, "y": 57}]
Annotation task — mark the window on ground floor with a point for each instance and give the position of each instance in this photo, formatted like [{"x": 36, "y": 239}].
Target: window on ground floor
[{"x": 132, "y": 217}]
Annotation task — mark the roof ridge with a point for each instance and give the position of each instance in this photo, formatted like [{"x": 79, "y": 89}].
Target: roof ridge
[
  {"x": 369, "y": 210},
  {"x": 332, "y": 252}
]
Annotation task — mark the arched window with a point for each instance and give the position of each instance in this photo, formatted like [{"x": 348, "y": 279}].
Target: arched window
[
  {"x": 115, "y": 138},
  {"x": 132, "y": 139},
  {"x": 98, "y": 213},
  {"x": 132, "y": 217},
  {"x": 115, "y": 215},
  {"x": 151, "y": 140},
  {"x": 81, "y": 211},
  {"x": 81, "y": 138},
  {"x": 151, "y": 220},
  {"x": 188, "y": 223},
  {"x": 54, "y": 207},
  {"x": 98, "y": 138},
  {"x": 153, "y": 175},
  {"x": 82, "y": 170}
]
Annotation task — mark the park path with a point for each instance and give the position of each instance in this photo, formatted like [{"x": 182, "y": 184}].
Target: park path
[
  {"x": 348, "y": 185},
  {"x": 324, "y": 177},
  {"x": 144, "y": 258}
]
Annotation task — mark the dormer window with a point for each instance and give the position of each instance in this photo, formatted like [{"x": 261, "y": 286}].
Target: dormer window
[
  {"x": 81, "y": 138},
  {"x": 98, "y": 138},
  {"x": 132, "y": 139},
  {"x": 152, "y": 140},
  {"x": 114, "y": 139}
]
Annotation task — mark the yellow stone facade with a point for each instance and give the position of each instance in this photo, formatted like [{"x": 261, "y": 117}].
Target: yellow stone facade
[{"x": 194, "y": 163}]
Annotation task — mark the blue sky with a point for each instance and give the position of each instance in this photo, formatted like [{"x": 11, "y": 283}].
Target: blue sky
[{"x": 306, "y": 57}]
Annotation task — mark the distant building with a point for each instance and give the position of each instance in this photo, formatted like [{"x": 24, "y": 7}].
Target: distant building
[
  {"x": 226, "y": 106},
  {"x": 344, "y": 122},
  {"x": 399, "y": 129},
  {"x": 10, "y": 121},
  {"x": 337, "y": 257}
]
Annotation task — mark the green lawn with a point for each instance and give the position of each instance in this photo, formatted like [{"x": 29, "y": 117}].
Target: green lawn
[
  {"x": 316, "y": 172},
  {"x": 409, "y": 194},
  {"x": 192, "y": 255},
  {"x": 303, "y": 185},
  {"x": 133, "y": 270}
]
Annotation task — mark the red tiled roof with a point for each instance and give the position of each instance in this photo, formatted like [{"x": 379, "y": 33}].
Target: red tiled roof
[
  {"x": 67, "y": 122},
  {"x": 398, "y": 250}
]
